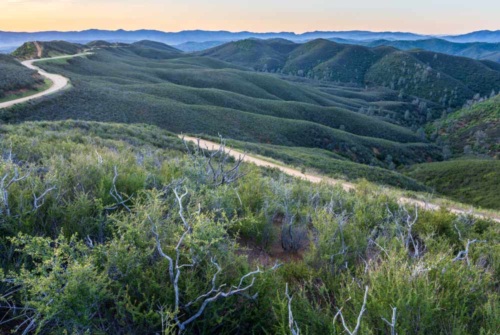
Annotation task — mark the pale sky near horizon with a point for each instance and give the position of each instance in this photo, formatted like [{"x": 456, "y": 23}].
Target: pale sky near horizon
[{"x": 422, "y": 16}]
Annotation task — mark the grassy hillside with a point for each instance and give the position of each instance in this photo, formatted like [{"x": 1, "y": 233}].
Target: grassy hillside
[
  {"x": 15, "y": 78},
  {"x": 98, "y": 202},
  {"x": 201, "y": 95},
  {"x": 473, "y": 130},
  {"x": 469, "y": 181},
  {"x": 447, "y": 80},
  {"x": 29, "y": 50}
]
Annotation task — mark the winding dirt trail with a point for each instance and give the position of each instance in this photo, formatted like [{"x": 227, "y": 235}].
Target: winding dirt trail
[
  {"x": 58, "y": 82},
  {"x": 331, "y": 181}
]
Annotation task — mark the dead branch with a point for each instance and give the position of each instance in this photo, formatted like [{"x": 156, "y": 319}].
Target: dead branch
[
  {"x": 358, "y": 322},
  {"x": 392, "y": 324},
  {"x": 292, "y": 324},
  {"x": 404, "y": 222},
  {"x": 5, "y": 184},
  {"x": 38, "y": 201},
  {"x": 175, "y": 271},
  {"x": 216, "y": 163},
  {"x": 116, "y": 195}
]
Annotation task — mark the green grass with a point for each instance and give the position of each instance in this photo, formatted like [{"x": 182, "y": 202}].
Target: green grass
[{"x": 474, "y": 182}]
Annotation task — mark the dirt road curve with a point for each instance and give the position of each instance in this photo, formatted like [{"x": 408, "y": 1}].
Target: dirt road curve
[
  {"x": 317, "y": 179},
  {"x": 58, "y": 82}
]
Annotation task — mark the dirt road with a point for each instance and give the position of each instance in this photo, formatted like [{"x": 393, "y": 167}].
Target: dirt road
[
  {"x": 58, "y": 82},
  {"x": 318, "y": 179}
]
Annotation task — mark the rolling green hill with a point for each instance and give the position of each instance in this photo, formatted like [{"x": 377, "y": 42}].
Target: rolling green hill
[
  {"x": 447, "y": 80},
  {"x": 29, "y": 50},
  {"x": 473, "y": 130},
  {"x": 475, "y": 182},
  {"x": 184, "y": 93},
  {"x": 15, "y": 78}
]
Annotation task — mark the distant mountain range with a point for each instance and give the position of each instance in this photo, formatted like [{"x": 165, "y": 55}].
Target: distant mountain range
[{"x": 9, "y": 40}]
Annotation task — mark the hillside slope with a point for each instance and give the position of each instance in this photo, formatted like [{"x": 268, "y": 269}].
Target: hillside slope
[
  {"x": 473, "y": 130},
  {"x": 447, "y": 80},
  {"x": 15, "y": 78},
  {"x": 475, "y": 182}
]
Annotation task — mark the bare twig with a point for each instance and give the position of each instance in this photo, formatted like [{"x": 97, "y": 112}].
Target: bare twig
[
  {"x": 175, "y": 271},
  {"x": 292, "y": 324},
  {"x": 358, "y": 322},
  {"x": 116, "y": 195},
  {"x": 39, "y": 200},
  {"x": 392, "y": 324}
]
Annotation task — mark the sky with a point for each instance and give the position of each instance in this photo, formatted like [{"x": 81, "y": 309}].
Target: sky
[{"x": 419, "y": 16}]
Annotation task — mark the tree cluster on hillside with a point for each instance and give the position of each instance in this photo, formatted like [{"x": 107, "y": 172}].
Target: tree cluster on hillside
[{"x": 471, "y": 131}]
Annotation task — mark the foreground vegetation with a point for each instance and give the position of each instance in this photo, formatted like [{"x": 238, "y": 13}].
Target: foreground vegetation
[{"x": 169, "y": 245}]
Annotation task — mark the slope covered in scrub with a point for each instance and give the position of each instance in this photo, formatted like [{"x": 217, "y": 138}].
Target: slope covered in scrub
[{"x": 164, "y": 245}]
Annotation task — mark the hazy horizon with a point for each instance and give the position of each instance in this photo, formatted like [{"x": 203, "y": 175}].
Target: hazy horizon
[{"x": 425, "y": 17}]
